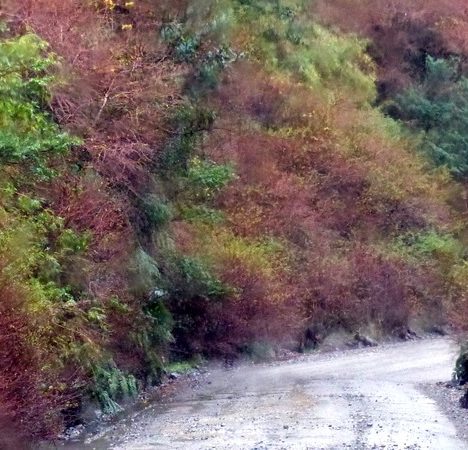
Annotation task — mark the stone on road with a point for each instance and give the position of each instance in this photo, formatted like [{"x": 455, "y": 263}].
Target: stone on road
[{"x": 359, "y": 399}]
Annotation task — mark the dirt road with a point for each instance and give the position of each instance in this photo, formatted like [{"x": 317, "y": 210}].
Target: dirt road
[{"x": 360, "y": 399}]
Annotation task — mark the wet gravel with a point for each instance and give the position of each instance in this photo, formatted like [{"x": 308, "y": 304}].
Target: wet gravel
[
  {"x": 358, "y": 399},
  {"x": 447, "y": 395}
]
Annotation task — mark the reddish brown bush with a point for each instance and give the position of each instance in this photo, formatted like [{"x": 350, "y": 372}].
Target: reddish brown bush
[
  {"x": 27, "y": 406},
  {"x": 363, "y": 287},
  {"x": 225, "y": 327},
  {"x": 401, "y": 32}
]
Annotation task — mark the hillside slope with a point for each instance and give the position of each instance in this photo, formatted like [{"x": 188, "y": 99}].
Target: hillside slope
[{"x": 212, "y": 177}]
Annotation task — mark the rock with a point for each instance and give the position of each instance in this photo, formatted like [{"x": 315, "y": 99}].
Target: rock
[
  {"x": 464, "y": 401},
  {"x": 406, "y": 334},
  {"x": 73, "y": 432},
  {"x": 438, "y": 329},
  {"x": 365, "y": 340},
  {"x": 174, "y": 376}
]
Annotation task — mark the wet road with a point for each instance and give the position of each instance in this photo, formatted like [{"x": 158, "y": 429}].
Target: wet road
[{"x": 360, "y": 399}]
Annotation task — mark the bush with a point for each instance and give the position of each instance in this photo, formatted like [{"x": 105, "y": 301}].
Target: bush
[
  {"x": 196, "y": 280},
  {"x": 190, "y": 122},
  {"x": 205, "y": 179},
  {"x": 461, "y": 365},
  {"x": 430, "y": 244},
  {"x": 439, "y": 108},
  {"x": 110, "y": 385},
  {"x": 28, "y": 135},
  {"x": 158, "y": 213}
]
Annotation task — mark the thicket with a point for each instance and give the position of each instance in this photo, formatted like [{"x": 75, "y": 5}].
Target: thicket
[{"x": 206, "y": 178}]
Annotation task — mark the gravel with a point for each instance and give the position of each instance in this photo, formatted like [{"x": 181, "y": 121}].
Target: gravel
[
  {"x": 447, "y": 395},
  {"x": 379, "y": 397}
]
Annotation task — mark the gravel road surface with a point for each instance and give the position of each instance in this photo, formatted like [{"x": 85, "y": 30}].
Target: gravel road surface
[{"x": 357, "y": 399}]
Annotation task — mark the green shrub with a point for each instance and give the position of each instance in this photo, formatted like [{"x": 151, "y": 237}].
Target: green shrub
[
  {"x": 111, "y": 385},
  {"x": 161, "y": 321},
  {"x": 183, "y": 367},
  {"x": 202, "y": 214},
  {"x": 212, "y": 65},
  {"x": 285, "y": 39},
  {"x": 430, "y": 244},
  {"x": 206, "y": 178},
  {"x": 158, "y": 213},
  {"x": 144, "y": 272},
  {"x": 27, "y": 134},
  {"x": 438, "y": 107},
  {"x": 207, "y": 64},
  {"x": 190, "y": 122},
  {"x": 461, "y": 365},
  {"x": 194, "y": 279}
]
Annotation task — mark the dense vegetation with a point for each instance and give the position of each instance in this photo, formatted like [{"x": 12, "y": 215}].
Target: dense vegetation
[{"x": 205, "y": 177}]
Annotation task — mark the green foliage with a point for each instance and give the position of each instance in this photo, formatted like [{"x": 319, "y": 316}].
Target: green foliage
[
  {"x": 208, "y": 64},
  {"x": 182, "y": 367},
  {"x": 461, "y": 365},
  {"x": 34, "y": 248},
  {"x": 185, "y": 46},
  {"x": 198, "y": 279},
  {"x": 27, "y": 134},
  {"x": 263, "y": 256},
  {"x": 144, "y": 273},
  {"x": 202, "y": 214},
  {"x": 157, "y": 212},
  {"x": 212, "y": 65},
  {"x": 161, "y": 321},
  {"x": 190, "y": 122},
  {"x": 111, "y": 385},
  {"x": 191, "y": 278},
  {"x": 438, "y": 107},
  {"x": 430, "y": 244},
  {"x": 285, "y": 38},
  {"x": 206, "y": 178},
  {"x": 71, "y": 242}
]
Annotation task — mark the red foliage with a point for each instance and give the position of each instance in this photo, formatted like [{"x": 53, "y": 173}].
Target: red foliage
[
  {"x": 119, "y": 82},
  {"x": 300, "y": 188},
  {"x": 223, "y": 328},
  {"x": 89, "y": 208},
  {"x": 27, "y": 407},
  {"x": 401, "y": 32}
]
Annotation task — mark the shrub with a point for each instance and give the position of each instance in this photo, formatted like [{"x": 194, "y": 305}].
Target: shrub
[
  {"x": 157, "y": 212},
  {"x": 205, "y": 178},
  {"x": 196, "y": 280},
  {"x": 426, "y": 245},
  {"x": 461, "y": 365},
  {"x": 110, "y": 384},
  {"x": 439, "y": 108},
  {"x": 28, "y": 135},
  {"x": 203, "y": 214},
  {"x": 190, "y": 122},
  {"x": 144, "y": 273}
]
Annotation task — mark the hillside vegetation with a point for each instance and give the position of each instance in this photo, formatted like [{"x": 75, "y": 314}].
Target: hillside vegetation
[{"x": 183, "y": 178}]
